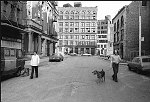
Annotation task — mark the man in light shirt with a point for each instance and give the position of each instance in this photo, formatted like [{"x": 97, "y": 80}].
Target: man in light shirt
[
  {"x": 35, "y": 60},
  {"x": 115, "y": 60}
]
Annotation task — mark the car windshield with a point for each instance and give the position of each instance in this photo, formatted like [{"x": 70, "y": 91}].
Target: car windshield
[{"x": 146, "y": 60}]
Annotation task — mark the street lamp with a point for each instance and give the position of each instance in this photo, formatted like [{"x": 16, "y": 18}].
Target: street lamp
[{"x": 139, "y": 30}]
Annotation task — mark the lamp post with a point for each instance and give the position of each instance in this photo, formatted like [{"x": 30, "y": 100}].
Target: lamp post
[{"x": 139, "y": 30}]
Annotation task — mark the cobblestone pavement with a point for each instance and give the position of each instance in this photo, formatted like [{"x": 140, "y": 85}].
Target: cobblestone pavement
[{"x": 72, "y": 81}]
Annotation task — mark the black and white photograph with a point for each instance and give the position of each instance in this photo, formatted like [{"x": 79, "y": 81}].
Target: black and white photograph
[{"x": 75, "y": 51}]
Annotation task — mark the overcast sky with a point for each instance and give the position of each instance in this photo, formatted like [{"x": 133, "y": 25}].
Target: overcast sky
[{"x": 104, "y": 7}]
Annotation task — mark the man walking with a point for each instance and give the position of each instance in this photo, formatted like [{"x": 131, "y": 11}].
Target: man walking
[
  {"x": 35, "y": 60},
  {"x": 115, "y": 60}
]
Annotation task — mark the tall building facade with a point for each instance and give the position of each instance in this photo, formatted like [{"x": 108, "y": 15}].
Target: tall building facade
[
  {"x": 126, "y": 29},
  {"x": 104, "y": 36},
  {"x": 42, "y": 35},
  {"x": 77, "y": 29}
]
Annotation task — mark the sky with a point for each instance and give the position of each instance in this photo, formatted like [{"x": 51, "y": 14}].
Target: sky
[{"x": 104, "y": 7}]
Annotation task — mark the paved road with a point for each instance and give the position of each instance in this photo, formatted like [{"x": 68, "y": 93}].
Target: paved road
[{"x": 72, "y": 81}]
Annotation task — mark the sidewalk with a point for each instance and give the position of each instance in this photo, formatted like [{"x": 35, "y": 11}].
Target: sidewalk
[{"x": 42, "y": 59}]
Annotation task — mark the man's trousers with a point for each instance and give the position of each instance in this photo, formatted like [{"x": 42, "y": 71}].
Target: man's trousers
[
  {"x": 36, "y": 71},
  {"x": 115, "y": 70}
]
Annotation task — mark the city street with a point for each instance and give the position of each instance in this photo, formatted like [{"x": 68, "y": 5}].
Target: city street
[{"x": 72, "y": 80}]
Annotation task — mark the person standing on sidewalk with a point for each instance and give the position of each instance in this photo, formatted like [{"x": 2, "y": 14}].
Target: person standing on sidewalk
[
  {"x": 35, "y": 60},
  {"x": 115, "y": 60}
]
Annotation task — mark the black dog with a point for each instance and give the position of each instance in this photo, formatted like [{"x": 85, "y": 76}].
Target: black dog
[{"x": 100, "y": 74}]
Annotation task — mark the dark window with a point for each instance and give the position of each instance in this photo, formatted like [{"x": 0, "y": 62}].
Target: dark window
[
  {"x": 144, "y": 3},
  {"x": 146, "y": 60}
]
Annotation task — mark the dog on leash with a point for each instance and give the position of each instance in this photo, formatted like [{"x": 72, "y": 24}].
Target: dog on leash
[{"x": 100, "y": 74}]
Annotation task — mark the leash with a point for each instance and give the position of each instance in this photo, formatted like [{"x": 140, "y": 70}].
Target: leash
[{"x": 109, "y": 69}]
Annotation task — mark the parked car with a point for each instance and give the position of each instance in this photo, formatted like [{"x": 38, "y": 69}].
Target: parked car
[
  {"x": 56, "y": 57},
  {"x": 86, "y": 54},
  {"x": 140, "y": 64},
  {"x": 73, "y": 54}
]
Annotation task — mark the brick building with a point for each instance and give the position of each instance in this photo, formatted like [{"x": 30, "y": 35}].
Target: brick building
[
  {"x": 77, "y": 29},
  {"x": 126, "y": 29}
]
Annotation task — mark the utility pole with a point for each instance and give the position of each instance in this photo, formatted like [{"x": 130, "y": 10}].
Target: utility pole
[{"x": 139, "y": 29}]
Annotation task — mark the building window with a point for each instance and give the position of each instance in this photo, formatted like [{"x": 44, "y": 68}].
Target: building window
[
  {"x": 103, "y": 32},
  {"x": 88, "y": 30},
  {"x": 82, "y": 24},
  {"x": 61, "y": 17},
  {"x": 101, "y": 27},
  {"x": 122, "y": 21},
  {"x": 105, "y": 27},
  {"x": 118, "y": 25},
  {"x": 98, "y": 32},
  {"x": 89, "y": 12},
  {"x": 60, "y": 12},
  {"x": 60, "y": 42},
  {"x": 88, "y": 17},
  {"x": 60, "y": 23},
  {"x": 71, "y": 36},
  {"x": 66, "y": 24},
  {"x": 71, "y": 17},
  {"x": 82, "y": 30},
  {"x": 71, "y": 42},
  {"x": 71, "y": 24},
  {"x": 94, "y": 12},
  {"x": 66, "y": 36},
  {"x": 87, "y": 24},
  {"x": 83, "y": 12},
  {"x": 102, "y": 36},
  {"x": 76, "y": 17},
  {"x": 66, "y": 12},
  {"x": 71, "y": 30},
  {"x": 72, "y": 12},
  {"x": 82, "y": 36},
  {"x": 104, "y": 46},
  {"x": 93, "y": 24},
  {"x": 114, "y": 27},
  {"x": 66, "y": 17},
  {"x": 77, "y": 24},
  {"x": 93, "y": 30},
  {"x": 61, "y": 30},
  {"x": 94, "y": 17},
  {"x": 66, "y": 30},
  {"x": 76, "y": 30},
  {"x": 82, "y": 17},
  {"x": 102, "y": 41},
  {"x": 93, "y": 37},
  {"x": 77, "y": 12}
]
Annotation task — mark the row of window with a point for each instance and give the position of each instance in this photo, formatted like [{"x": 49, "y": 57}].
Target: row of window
[
  {"x": 76, "y": 30},
  {"x": 119, "y": 24},
  {"x": 102, "y": 23},
  {"x": 66, "y": 42},
  {"x": 77, "y": 12},
  {"x": 77, "y": 37},
  {"x": 102, "y": 27},
  {"x": 93, "y": 24},
  {"x": 102, "y": 32},
  {"x": 117, "y": 37},
  {"x": 101, "y": 46},
  {"x": 102, "y": 36},
  {"x": 102, "y": 41},
  {"x": 76, "y": 17}
]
